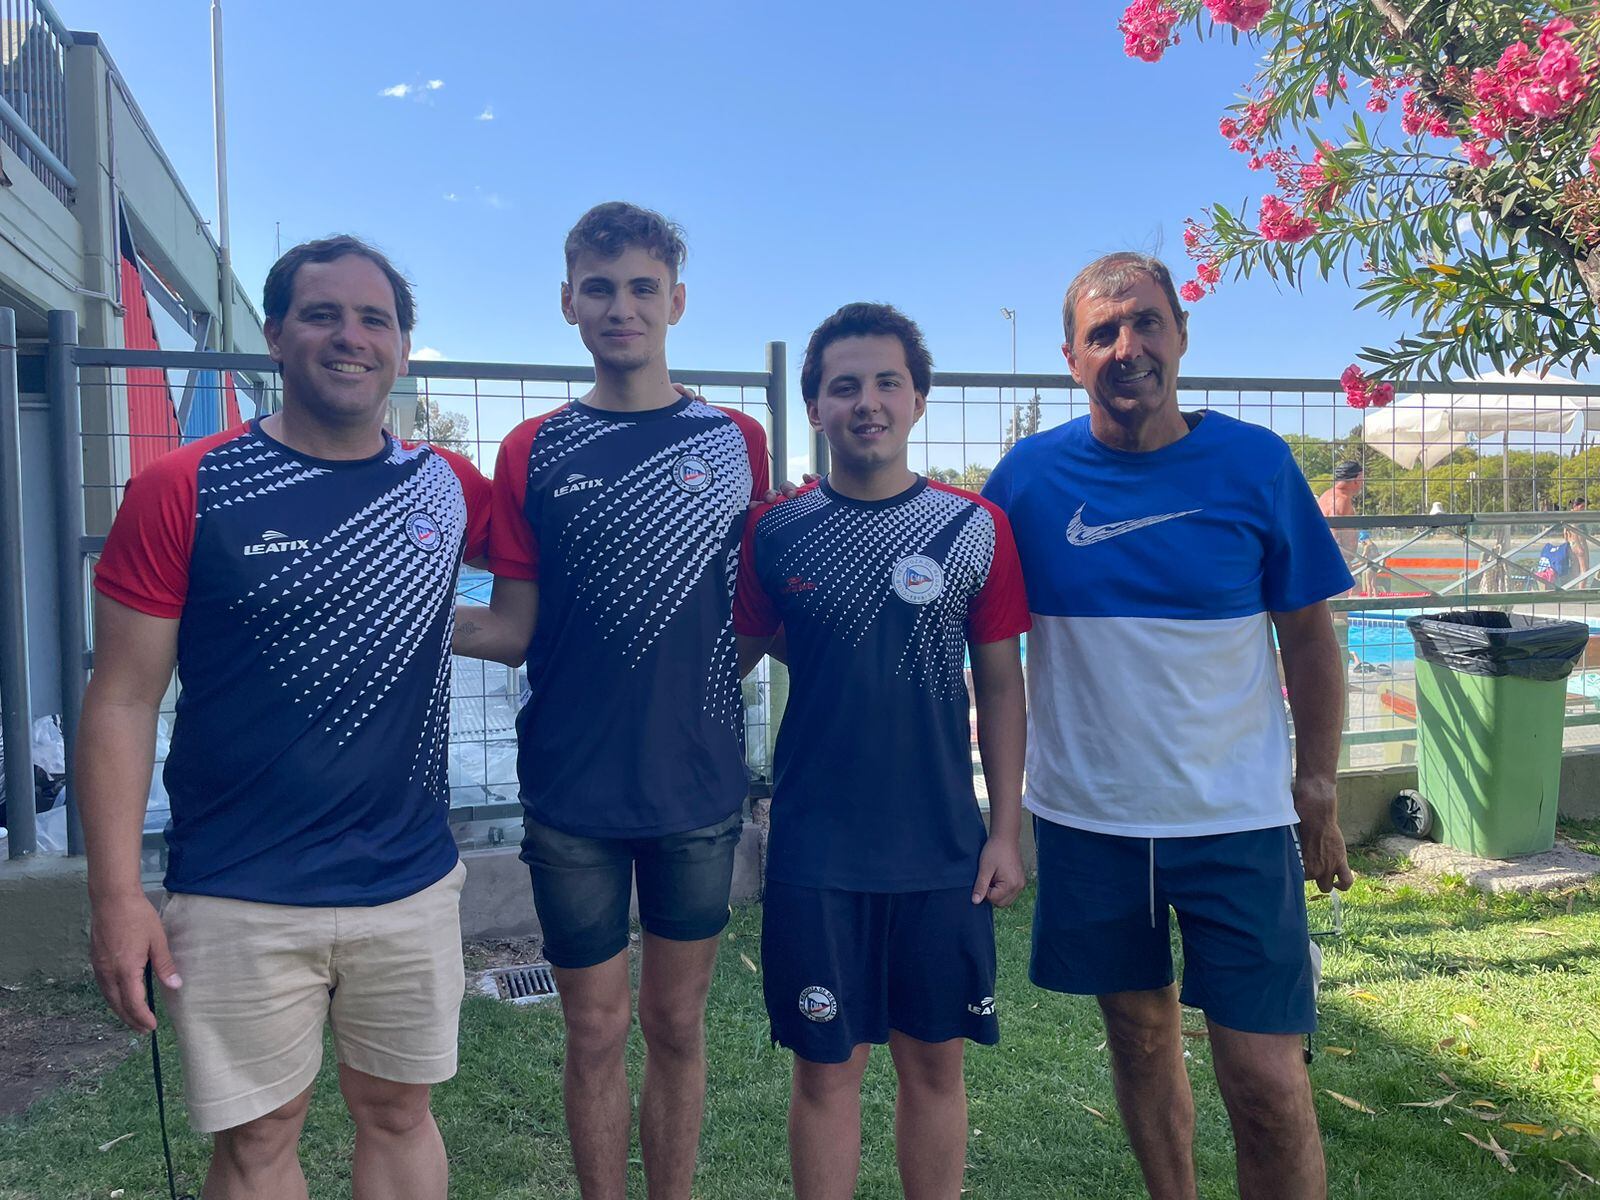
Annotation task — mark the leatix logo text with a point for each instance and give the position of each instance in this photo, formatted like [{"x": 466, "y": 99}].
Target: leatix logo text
[
  {"x": 577, "y": 482},
  {"x": 274, "y": 542}
]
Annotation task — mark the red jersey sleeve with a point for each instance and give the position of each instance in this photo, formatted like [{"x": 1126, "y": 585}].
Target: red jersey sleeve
[
  {"x": 755, "y": 444},
  {"x": 479, "y": 495},
  {"x": 513, "y": 544},
  {"x": 1000, "y": 609},
  {"x": 145, "y": 563},
  {"x": 754, "y": 613}
]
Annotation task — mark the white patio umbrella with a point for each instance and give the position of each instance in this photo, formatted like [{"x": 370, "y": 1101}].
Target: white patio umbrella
[{"x": 1428, "y": 428}]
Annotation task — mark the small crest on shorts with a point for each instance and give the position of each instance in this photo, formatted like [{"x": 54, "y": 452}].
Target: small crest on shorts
[
  {"x": 817, "y": 1004},
  {"x": 983, "y": 1008}
]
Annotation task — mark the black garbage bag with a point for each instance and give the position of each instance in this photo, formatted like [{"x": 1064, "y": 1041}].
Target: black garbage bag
[{"x": 1485, "y": 642}]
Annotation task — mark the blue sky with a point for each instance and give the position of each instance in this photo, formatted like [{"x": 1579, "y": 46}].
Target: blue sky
[{"x": 951, "y": 159}]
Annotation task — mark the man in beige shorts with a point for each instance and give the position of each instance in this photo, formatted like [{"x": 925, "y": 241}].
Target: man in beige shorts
[{"x": 299, "y": 571}]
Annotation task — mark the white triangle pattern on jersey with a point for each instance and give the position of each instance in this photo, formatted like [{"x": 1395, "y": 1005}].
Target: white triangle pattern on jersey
[
  {"x": 247, "y": 468},
  {"x": 345, "y": 617},
  {"x": 854, "y": 549},
  {"x": 636, "y": 548}
]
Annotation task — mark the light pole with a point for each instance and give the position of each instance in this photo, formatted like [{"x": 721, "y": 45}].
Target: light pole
[{"x": 1010, "y": 314}]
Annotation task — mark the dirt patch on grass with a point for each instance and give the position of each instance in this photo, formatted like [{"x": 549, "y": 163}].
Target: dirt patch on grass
[{"x": 42, "y": 1050}]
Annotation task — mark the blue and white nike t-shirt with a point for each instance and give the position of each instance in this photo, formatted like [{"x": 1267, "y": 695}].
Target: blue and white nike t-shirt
[
  {"x": 1154, "y": 704},
  {"x": 878, "y": 601},
  {"x": 631, "y": 524}
]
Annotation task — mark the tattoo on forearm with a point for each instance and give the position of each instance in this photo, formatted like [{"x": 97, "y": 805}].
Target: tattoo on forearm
[{"x": 467, "y": 628}]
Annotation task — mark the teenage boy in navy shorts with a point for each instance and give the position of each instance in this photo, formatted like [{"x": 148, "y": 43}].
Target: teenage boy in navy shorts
[
  {"x": 617, "y": 521},
  {"x": 878, "y": 922}
]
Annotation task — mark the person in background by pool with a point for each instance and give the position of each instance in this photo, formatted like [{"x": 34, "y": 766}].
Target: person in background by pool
[
  {"x": 615, "y": 546},
  {"x": 878, "y": 919},
  {"x": 1578, "y": 543},
  {"x": 299, "y": 570},
  {"x": 1158, "y": 763},
  {"x": 1340, "y": 501}
]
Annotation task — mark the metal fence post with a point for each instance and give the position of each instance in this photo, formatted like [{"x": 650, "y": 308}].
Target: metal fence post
[
  {"x": 66, "y": 435},
  {"x": 778, "y": 406},
  {"x": 15, "y": 694}
]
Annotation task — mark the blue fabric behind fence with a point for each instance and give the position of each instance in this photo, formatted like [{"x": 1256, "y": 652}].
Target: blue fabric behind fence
[{"x": 205, "y": 408}]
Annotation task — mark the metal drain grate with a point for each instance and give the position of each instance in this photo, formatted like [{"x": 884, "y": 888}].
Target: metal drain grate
[{"x": 526, "y": 983}]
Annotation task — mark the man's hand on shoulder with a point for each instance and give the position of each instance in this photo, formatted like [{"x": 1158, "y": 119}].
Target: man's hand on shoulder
[
  {"x": 1321, "y": 841},
  {"x": 785, "y": 490},
  {"x": 124, "y": 934},
  {"x": 1000, "y": 874}
]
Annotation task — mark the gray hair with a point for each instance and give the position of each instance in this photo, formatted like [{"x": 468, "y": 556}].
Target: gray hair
[{"x": 1111, "y": 275}]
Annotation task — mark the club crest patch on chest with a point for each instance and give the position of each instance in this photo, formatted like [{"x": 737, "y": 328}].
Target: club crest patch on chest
[
  {"x": 692, "y": 473},
  {"x": 917, "y": 579}
]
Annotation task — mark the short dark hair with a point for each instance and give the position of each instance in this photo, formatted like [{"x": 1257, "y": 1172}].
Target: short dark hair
[
  {"x": 863, "y": 319},
  {"x": 610, "y": 228},
  {"x": 279, "y": 288},
  {"x": 1111, "y": 275},
  {"x": 1347, "y": 469},
  {"x": 1579, "y": 502}
]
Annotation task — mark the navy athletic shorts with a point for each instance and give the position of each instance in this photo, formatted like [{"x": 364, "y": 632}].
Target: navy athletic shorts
[
  {"x": 582, "y": 885},
  {"x": 1101, "y": 921},
  {"x": 841, "y": 969}
]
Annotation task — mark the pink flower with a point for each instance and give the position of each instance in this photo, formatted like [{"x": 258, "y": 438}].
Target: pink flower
[
  {"x": 1377, "y": 103},
  {"x": 1280, "y": 223},
  {"x": 1552, "y": 32},
  {"x": 1594, "y": 154},
  {"x": 1241, "y": 14},
  {"x": 1209, "y": 273},
  {"x": 1356, "y": 388},
  {"x": 1146, "y": 28},
  {"x": 1228, "y": 128},
  {"x": 1361, "y": 392},
  {"x": 1477, "y": 153},
  {"x": 1191, "y": 291},
  {"x": 1242, "y": 145},
  {"x": 1191, "y": 236},
  {"x": 1321, "y": 89},
  {"x": 1421, "y": 117},
  {"x": 1255, "y": 164}
]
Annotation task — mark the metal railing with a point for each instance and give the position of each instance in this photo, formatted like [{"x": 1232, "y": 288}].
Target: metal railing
[
  {"x": 1404, "y": 563},
  {"x": 1545, "y": 457},
  {"x": 467, "y": 406},
  {"x": 33, "y": 91}
]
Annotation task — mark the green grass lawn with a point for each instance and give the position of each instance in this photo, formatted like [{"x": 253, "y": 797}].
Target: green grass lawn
[{"x": 1433, "y": 991}]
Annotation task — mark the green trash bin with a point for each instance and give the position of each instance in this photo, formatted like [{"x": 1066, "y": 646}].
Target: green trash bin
[{"x": 1491, "y": 697}]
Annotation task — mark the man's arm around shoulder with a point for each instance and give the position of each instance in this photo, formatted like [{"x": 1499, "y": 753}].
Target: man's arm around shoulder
[
  {"x": 133, "y": 660},
  {"x": 501, "y": 632}
]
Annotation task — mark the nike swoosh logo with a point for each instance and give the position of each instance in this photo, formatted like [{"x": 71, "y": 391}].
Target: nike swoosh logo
[{"x": 1080, "y": 534}]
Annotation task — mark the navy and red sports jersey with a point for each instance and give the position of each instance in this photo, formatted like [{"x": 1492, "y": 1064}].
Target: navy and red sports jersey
[
  {"x": 631, "y": 524},
  {"x": 315, "y": 601},
  {"x": 878, "y": 601}
]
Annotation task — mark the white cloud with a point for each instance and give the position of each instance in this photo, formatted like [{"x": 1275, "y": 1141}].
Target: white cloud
[
  {"x": 493, "y": 199},
  {"x": 435, "y": 84},
  {"x": 399, "y": 91},
  {"x": 427, "y": 354},
  {"x": 452, "y": 197},
  {"x": 487, "y": 114}
]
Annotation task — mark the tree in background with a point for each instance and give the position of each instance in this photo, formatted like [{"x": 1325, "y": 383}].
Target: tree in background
[
  {"x": 1445, "y": 150},
  {"x": 444, "y": 428},
  {"x": 1024, "y": 423},
  {"x": 972, "y": 477}
]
